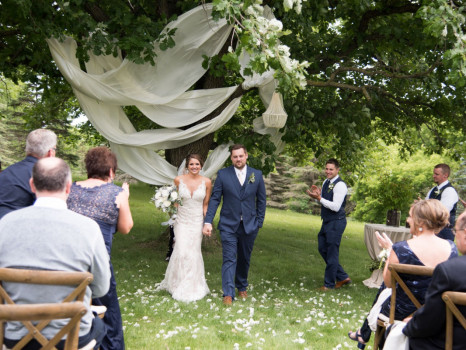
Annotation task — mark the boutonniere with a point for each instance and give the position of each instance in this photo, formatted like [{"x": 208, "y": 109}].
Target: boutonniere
[
  {"x": 437, "y": 192},
  {"x": 252, "y": 178},
  {"x": 330, "y": 187}
]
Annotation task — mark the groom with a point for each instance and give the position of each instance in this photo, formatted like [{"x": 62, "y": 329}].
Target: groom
[{"x": 242, "y": 215}]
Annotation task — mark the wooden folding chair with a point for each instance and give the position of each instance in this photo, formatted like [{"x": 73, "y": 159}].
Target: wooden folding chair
[
  {"x": 396, "y": 270},
  {"x": 452, "y": 299},
  {"x": 71, "y": 307}
]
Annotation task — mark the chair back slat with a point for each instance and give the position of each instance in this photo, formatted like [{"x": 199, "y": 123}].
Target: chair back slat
[
  {"x": 396, "y": 270},
  {"x": 45, "y": 312},
  {"x": 452, "y": 299}
]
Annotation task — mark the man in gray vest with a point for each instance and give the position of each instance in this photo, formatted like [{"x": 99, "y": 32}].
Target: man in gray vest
[
  {"x": 332, "y": 198},
  {"x": 48, "y": 236},
  {"x": 447, "y": 195}
]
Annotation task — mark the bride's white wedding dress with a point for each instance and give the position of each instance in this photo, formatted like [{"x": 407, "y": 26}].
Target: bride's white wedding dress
[{"x": 184, "y": 278}]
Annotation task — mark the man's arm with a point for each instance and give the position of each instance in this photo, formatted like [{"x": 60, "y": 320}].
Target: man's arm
[
  {"x": 261, "y": 201},
  {"x": 339, "y": 192},
  {"x": 214, "y": 200},
  {"x": 429, "y": 320},
  {"x": 449, "y": 198}
]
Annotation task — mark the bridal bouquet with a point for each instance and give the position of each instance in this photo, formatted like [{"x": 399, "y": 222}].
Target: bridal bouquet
[{"x": 167, "y": 198}]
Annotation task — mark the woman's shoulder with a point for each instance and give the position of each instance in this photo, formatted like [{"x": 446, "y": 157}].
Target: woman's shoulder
[
  {"x": 454, "y": 249},
  {"x": 206, "y": 180}
]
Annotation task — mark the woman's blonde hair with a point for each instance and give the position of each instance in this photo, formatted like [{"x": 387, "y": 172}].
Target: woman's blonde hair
[{"x": 431, "y": 214}]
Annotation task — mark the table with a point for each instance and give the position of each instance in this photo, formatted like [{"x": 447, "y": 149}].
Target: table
[{"x": 395, "y": 233}]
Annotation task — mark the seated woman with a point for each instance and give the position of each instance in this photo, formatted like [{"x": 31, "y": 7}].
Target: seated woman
[
  {"x": 426, "y": 218},
  {"x": 108, "y": 205}
]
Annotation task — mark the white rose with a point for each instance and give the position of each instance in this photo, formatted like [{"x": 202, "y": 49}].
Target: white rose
[
  {"x": 164, "y": 193},
  {"x": 158, "y": 203},
  {"x": 173, "y": 196},
  {"x": 275, "y": 24},
  {"x": 166, "y": 203},
  {"x": 288, "y": 4},
  {"x": 157, "y": 195}
]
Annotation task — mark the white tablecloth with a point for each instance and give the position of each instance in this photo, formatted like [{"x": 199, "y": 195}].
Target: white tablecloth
[{"x": 395, "y": 233}]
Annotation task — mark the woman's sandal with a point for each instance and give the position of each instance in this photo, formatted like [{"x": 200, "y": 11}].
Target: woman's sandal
[{"x": 356, "y": 336}]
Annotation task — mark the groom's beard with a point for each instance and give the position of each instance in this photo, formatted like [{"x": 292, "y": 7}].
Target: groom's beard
[{"x": 237, "y": 167}]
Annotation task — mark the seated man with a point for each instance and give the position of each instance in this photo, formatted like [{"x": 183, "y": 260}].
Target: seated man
[
  {"x": 48, "y": 236},
  {"x": 426, "y": 330}
]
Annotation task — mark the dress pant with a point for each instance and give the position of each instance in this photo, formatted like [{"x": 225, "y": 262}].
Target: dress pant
[
  {"x": 113, "y": 339},
  {"x": 236, "y": 248},
  {"x": 329, "y": 239}
]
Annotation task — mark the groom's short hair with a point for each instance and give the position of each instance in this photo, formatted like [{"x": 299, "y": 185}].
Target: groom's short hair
[{"x": 238, "y": 146}]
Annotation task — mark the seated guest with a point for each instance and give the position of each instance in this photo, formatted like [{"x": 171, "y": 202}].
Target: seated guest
[
  {"x": 426, "y": 330},
  {"x": 15, "y": 192},
  {"x": 48, "y": 236},
  {"x": 426, "y": 218},
  {"x": 108, "y": 204}
]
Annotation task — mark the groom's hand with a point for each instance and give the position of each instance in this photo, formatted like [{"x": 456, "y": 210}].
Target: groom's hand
[{"x": 207, "y": 230}]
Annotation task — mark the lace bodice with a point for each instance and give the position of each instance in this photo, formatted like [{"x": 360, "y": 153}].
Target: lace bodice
[
  {"x": 97, "y": 203},
  {"x": 191, "y": 210}
]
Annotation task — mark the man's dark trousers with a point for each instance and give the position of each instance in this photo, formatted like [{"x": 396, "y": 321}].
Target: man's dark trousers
[{"x": 329, "y": 239}]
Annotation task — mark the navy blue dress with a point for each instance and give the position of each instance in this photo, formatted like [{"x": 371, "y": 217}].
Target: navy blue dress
[
  {"x": 417, "y": 284},
  {"x": 98, "y": 203}
]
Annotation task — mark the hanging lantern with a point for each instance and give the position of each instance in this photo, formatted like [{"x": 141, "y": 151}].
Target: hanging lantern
[{"x": 275, "y": 116}]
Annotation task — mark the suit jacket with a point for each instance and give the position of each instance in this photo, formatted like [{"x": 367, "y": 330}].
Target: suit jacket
[
  {"x": 245, "y": 202},
  {"x": 15, "y": 192},
  {"x": 426, "y": 329}
]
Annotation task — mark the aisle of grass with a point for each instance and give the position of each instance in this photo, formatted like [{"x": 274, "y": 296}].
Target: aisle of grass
[{"x": 284, "y": 311}]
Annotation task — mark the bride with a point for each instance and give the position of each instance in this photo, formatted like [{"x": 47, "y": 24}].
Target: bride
[{"x": 184, "y": 278}]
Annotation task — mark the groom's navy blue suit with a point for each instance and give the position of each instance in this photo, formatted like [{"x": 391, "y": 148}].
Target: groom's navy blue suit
[{"x": 242, "y": 214}]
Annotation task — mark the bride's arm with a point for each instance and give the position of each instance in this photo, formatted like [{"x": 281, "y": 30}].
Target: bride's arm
[
  {"x": 176, "y": 181},
  {"x": 208, "y": 190}
]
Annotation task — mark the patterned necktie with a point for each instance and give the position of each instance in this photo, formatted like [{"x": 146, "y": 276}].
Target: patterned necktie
[{"x": 241, "y": 177}]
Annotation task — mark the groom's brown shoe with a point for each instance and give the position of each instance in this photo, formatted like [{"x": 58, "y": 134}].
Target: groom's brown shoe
[
  {"x": 243, "y": 294},
  {"x": 342, "y": 283},
  {"x": 227, "y": 300}
]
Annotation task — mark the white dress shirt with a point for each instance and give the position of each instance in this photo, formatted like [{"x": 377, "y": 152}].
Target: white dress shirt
[
  {"x": 339, "y": 192},
  {"x": 449, "y": 195},
  {"x": 50, "y": 202}
]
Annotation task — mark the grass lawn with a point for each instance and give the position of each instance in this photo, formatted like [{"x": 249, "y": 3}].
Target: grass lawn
[{"x": 284, "y": 309}]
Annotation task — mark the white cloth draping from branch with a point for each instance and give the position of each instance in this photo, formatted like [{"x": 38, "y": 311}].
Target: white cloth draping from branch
[{"x": 160, "y": 92}]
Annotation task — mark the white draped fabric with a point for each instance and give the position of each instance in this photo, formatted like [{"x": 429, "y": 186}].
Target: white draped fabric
[{"x": 160, "y": 92}]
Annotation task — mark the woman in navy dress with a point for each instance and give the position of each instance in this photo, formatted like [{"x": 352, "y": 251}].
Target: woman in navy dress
[
  {"x": 426, "y": 218},
  {"x": 108, "y": 204}
]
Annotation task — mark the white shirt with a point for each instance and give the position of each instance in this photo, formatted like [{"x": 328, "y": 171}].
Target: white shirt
[
  {"x": 449, "y": 195},
  {"x": 241, "y": 174},
  {"x": 50, "y": 202},
  {"x": 339, "y": 192}
]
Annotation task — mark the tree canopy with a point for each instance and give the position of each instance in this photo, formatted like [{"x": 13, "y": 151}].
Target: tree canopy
[{"x": 350, "y": 71}]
